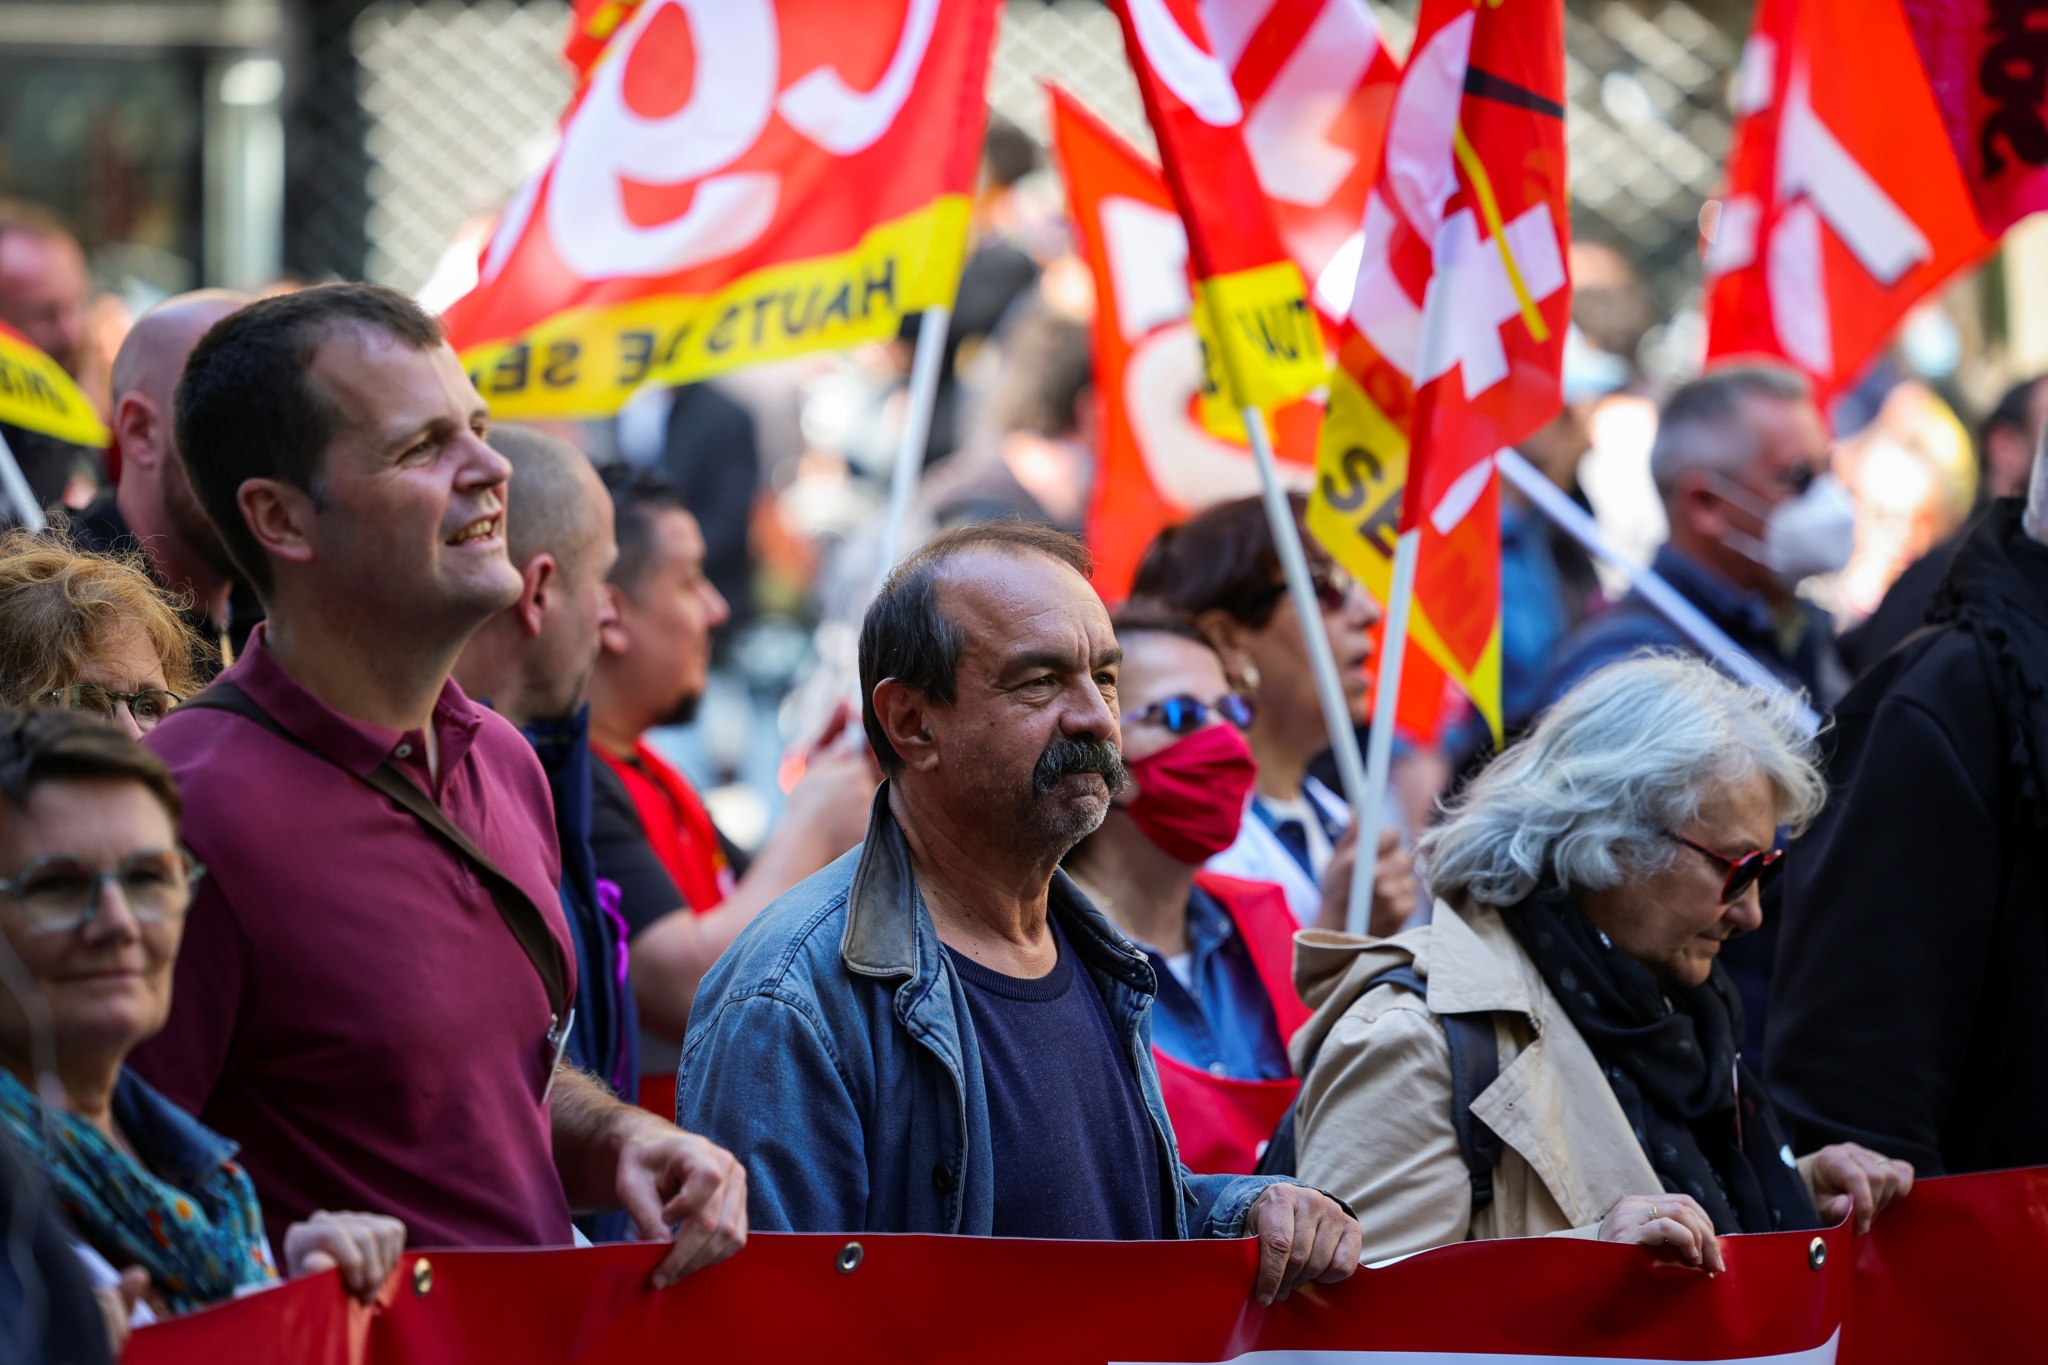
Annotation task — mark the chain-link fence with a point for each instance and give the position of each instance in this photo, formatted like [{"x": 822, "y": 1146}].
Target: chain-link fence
[
  {"x": 456, "y": 102},
  {"x": 462, "y": 101}
]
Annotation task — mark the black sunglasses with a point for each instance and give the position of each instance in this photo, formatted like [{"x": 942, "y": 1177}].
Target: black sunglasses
[
  {"x": 1759, "y": 867},
  {"x": 1332, "y": 583},
  {"x": 1185, "y": 715}
]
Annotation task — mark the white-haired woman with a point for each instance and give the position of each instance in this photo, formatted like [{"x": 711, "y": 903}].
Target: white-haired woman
[{"x": 1585, "y": 883}]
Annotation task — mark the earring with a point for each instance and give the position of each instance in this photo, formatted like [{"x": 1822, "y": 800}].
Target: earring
[{"x": 1249, "y": 677}]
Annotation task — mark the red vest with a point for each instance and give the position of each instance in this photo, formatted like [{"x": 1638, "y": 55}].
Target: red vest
[
  {"x": 677, "y": 826},
  {"x": 1222, "y": 1123}
]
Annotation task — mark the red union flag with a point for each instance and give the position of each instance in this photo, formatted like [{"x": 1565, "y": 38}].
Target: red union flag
[
  {"x": 1315, "y": 83},
  {"x": 1987, "y": 61},
  {"x": 1844, "y": 204},
  {"x": 738, "y": 181},
  {"x": 1453, "y": 347},
  {"x": 1261, "y": 344},
  {"x": 1158, "y": 464}
]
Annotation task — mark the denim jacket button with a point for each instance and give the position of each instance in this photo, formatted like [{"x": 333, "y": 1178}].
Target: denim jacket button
[{"x": 942, "y": 1176}]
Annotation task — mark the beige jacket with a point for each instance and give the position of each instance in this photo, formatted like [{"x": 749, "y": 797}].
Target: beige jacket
[{"x": 1374, "y": 1123}]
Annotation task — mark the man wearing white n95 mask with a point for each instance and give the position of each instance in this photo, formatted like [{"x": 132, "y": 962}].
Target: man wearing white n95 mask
[{"x": 1741, "y": 461}]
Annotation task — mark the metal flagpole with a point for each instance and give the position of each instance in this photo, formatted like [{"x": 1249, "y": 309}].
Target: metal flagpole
[
  {"x": 1323, "y": 663},
  {"x": 1553, "y": 503},
  {"x": 15, "y": 484},
  {"x": 917, "y": 426}
]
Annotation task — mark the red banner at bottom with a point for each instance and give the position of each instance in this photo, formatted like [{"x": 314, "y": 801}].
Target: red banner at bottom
[{"x": 1951, "y": 1273}]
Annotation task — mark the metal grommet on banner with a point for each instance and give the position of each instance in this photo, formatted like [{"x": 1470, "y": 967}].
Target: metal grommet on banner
[
  {"x": 849, "y": 1258},
  {"x": 1816, "y": 1253},
  {"x": 422, "y": 1275}
]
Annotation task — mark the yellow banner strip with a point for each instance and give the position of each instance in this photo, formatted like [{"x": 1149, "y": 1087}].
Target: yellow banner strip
[
  {"x": 37, "y": 395},
  {"x": 586, "y": 362}
]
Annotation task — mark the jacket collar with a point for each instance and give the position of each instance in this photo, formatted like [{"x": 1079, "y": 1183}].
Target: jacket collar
[
  {"x": 1551, "y": 1103},
  {"x": 883, "y": 907},
  {"x": 1473, "y": 964},
  {"x": 889, "y": 930}
]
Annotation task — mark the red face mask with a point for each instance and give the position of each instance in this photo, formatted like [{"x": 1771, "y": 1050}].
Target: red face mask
[{"x": 1191, "y": 794}]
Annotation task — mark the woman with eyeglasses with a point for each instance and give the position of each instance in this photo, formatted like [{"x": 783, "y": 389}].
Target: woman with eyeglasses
[
  {"x": 1220, "y": 569},
  {"x": 1556, "y": 1052},
  {"x": 1221, "y": 948},
  {"x": 88, "y": 632},
  {"x": 93, "y": 892}
]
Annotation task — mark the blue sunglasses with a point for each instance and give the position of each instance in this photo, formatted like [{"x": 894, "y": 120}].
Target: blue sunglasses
[{"x": 1185, "y": 715}]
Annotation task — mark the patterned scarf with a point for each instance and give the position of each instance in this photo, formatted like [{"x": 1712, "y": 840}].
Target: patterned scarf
[
  {"x": 199, "y": 1238},
  {"x": 1669, "y": 1056}
]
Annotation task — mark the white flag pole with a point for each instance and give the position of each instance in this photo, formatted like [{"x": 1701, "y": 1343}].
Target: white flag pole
[
  {"x": 1691, "y": 622},
  {"x": 1379, "y": 746},
  {"x": 1322, "y": 663},
  {"x": 15, "y": 484},
  {"x": 917, "y": 426}
]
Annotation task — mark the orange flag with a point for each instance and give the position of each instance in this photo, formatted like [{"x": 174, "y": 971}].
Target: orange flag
[
  {"x": 1158, "y": 465},
  {"x": 1261, "y": 344},
  {"x": 1845, "y": 204},
  {"x": 738, "y": 181},
  {"x": 1453, "y": 347}
]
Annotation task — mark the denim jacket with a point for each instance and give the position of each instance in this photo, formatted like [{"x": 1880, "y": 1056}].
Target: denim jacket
[{"x": 832, "y": 1051}]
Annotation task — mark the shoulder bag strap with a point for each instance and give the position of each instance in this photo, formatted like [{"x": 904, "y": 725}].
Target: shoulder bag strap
[
  {"x": 528, "y": 924},
  {"x": 1475, "y": 1065}
]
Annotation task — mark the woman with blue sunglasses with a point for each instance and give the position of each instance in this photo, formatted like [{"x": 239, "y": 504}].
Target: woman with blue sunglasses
[
  {"x": 1222, "y": 947},
  {"x": 1220, "y": 570}
]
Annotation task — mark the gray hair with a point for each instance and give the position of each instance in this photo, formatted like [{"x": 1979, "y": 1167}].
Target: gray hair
[
  {"x": 1702, "y": 425},
  {"x": 1630, "y": 752}
]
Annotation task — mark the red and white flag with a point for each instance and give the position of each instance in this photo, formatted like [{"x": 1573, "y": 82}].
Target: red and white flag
[
  {"x": 1316, "y": 83},
  {"x": 738, "y": 181},
  {"x": 1261, "y": 344},
  {"x": 1453, "y": 347},
  {"x": 1845, "y": 204}
]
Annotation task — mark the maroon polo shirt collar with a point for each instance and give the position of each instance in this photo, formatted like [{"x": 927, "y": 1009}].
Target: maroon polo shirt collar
[{"x": 355, "y": 745}]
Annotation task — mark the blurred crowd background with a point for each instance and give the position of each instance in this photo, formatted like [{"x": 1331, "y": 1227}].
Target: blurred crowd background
[{"x": 259, "y": 144}]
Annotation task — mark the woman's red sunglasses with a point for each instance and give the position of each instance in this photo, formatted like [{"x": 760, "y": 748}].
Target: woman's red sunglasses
[{"x": 1758, "y": 867}]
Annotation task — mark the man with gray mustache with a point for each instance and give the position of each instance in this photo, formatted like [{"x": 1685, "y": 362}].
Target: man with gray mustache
[{"x": 938, "y": 1033}]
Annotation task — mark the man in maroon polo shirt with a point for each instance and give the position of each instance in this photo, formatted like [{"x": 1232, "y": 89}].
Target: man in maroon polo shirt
[{"x": 351, "y": 1004}]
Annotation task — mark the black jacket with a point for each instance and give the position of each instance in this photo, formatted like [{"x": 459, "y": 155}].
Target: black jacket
[{"x": 1909, "y": 1011}]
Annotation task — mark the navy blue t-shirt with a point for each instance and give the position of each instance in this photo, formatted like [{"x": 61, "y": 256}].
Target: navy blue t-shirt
[{"x": 1073, "y": 1145}]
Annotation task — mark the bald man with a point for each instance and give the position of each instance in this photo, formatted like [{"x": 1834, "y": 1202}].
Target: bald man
[
  {"x": 153, "y": 507},
  {"x": 531, "y": 663}
]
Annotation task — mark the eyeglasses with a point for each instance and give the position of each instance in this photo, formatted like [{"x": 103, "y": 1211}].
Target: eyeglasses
[
  {"x": 147, "y": 706},
  {"x": 59, "y": 892},
  {"x": 1333, "y": 586},
  {"x": 1185, "y": 715},
  {"x": 1759, "y": 867}
]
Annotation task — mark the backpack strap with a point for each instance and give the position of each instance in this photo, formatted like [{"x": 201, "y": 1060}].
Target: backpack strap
[
  {"x": 1475, "y": 1065},
  {"x": 529, "y": 926}
]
